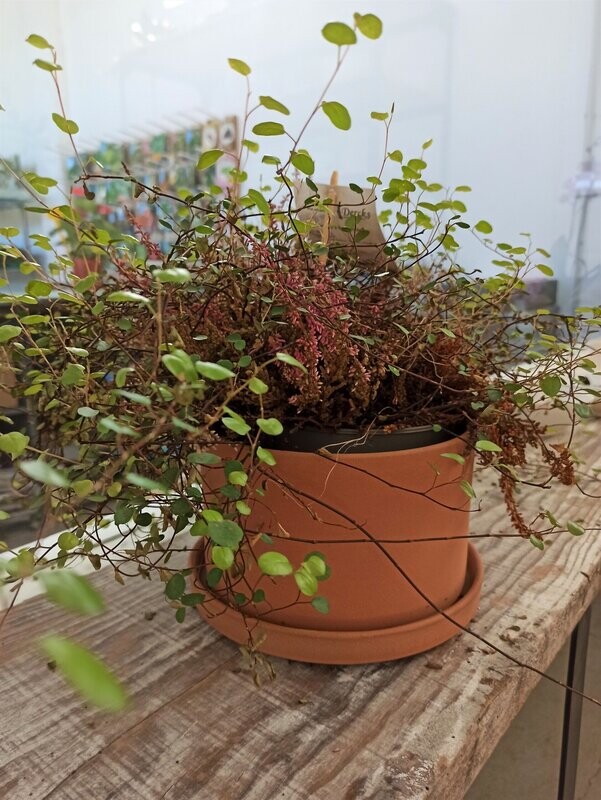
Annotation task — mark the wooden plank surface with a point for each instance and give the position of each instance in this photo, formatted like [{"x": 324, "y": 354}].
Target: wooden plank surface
[{"x": 197, "y": 727}]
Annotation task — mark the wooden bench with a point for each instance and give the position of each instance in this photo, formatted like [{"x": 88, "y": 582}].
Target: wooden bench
[{"x": 197, "y": 727}]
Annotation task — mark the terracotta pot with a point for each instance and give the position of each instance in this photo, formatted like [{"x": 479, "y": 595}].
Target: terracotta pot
[
  {"x": 380, "y": 591},
  {"x": 83, "y": 266}
]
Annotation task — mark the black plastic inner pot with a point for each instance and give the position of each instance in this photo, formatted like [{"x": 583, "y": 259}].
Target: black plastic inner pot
[{"x": 348, "y": 440}]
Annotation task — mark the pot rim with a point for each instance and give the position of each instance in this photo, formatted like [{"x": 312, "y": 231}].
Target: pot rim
[{"x": 352, "y": 441}]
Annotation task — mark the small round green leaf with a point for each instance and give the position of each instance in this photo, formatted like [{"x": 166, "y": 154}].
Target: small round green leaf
[
  {"x": 38, "y": 288},
  {"x": 86, "y": 673},
  {"x": 269, "y": 129},
  {"x": 212, "y": 515},
  {"x": 214, "y": 372},
  {"x": 238, "y": 478},
  {"x": 225, "y": 532},
  {"x": 180, "y": 365},
  {"x": 266, "y": 456},
  {"x": 288, "y": 359},
  {"x": 78, "y": 351},
  {"x": 583, "y": 410},
  {"x": 43, "y": 473},
  {"x": 338, "y": 33},
  {"x": 194, "y": 599},
  {"x": 8, "y": 332},
  {"x": 272, "y": 104},
  {"x": 47, "y": 66},
  {"x": 71, "y": 591},
  {"x": 575, "y": 529},
  {"x": 10, "y": 233},
  {"x": 223, "y": 557},
  {"x": 306, "y": 581},
  {"x": 271, "y": 426},
  {"x": 259, "y": 200},
  {"x": 233, "y": 466},
  {"x": 199, "y": 528},
  {"x": 551, "y": 385},
  {"x": 68, "y": 540},
  {"x": 274, "y": 563},
  {"x": 149, "y": 484},
  {"x": 337, "y": 114},
  {"x": 65, "y": 125},
  {"x": 214, "y": 576},
  {"x": 239, "y": 66},
  {"x": 303, "y": 162},
  {"x": 83, "y": 487},
  {"x": 483, "y": 226},
  {"x": 454, "y": 457},
  {"x": 13, "y": 443},
  {"x": 236, "y": 425},
  {"x": 38, "y": 41},
  {"x": 125, "y": 296},
  {"x": 209, "y": 459},
  {"x": 467, "y": 489},
  {"x": 536, "y": 542},
  {"x": 257, "y": 386},
  {"x": 316, "y": 565},
  {"x": 369, "y": 25},
  {"x": 490, "y": 447},
  {"x": 321, "y": 604},
  {"x": 208, "y": 158},
  {"x": 175, "y": 586},
  {"x": 243, "y": 508},
  {"x": 172, "y": 275},
  {"x": 87, "y": 412},
  {"x": 73, "y": 375}
]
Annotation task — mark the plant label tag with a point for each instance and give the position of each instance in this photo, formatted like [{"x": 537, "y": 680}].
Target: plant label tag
[{"x": 349, "y": 223}]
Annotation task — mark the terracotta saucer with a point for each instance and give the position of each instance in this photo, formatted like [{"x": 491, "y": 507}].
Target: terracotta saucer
[{"x": 347, "y": 647}]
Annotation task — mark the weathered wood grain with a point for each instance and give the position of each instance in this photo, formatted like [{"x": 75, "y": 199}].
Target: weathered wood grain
[{"x": 198, "y": 729}]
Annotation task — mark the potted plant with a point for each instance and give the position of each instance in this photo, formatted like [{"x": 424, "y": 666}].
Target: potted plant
[{"x": 302, "y": 386}]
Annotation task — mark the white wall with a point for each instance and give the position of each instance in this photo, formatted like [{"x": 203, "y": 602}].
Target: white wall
[
  {"x": 26, "y": 92},
  {"x": 501, "y": 85}
]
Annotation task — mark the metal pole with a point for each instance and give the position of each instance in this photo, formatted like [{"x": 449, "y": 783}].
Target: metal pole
[{"x": 572, "y": 713}]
